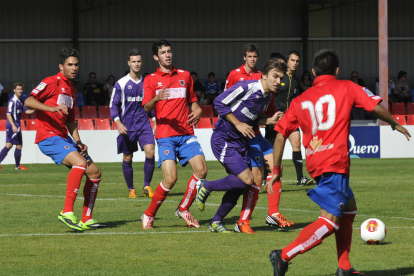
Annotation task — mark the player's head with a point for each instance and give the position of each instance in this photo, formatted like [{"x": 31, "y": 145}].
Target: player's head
[
  {"x": 69, "y": 63},
  {"x": 292, "y": 63},
  {"x": 162, "y": 52},
  {"x": 272, "y": 72},
  {"x": 250, "y": 55},
  {"x": 135, "y": 60},
  {"x": 194, "y": 75},
  {"x": 279, "y": 57},
  {"x": 18, "y": 89},
  {"x": 211, "y": 77},
  {"x": 326, "y": 62}
]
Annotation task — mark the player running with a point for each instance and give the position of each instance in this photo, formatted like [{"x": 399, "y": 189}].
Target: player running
[
  {"x": 54, "y": 99},
  {"x": 241, "y": 110},
  {"x": 13, "y": 131},
  {"x": 323, "y": 113},
  {"x": 133, "y": 124},
  {"x": 170, "y": 92}
]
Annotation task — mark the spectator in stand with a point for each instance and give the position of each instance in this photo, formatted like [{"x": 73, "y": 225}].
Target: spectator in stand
[
  {"x": 401, "y": 88},
  {"x": 4, "y": 95},
  {"x": 391, "y": 87},
  {"x": 358, "y": 113},
  {"x": 197, "y": 86},
  {"x": 94, "y": 91},
  {"x": 306, "y": 81},
  {"x": 109, "y": 86},
  {"x": 213, "y": 87}
]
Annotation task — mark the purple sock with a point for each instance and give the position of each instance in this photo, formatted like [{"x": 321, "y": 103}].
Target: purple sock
[
  {"x": 148, "y": 170},
  {"x": 17, "y": 156},
  {"x": 3, "y": 153},
  {"x": 128, "y": 174},
  {"x": 227, "y": 204},
  {"x": 230, "y": 182}
]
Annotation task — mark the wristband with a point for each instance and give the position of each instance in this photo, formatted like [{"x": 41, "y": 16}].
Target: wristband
[{"x": 276, "y": 170}]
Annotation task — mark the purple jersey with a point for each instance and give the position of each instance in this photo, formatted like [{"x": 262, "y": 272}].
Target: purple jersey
[
  {"x": 126, "y": 104},
  {"x": 246, "y": 100},
  {"x": 15, "y": 108}
]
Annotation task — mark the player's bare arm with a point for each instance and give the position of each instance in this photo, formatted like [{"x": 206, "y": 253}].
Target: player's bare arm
[
  {"x": 381, "y": 113},
  {"x": 162, "y": 95},
  {"x": 73, "y": 131},
  {"x": 243, "y": 128},
  {"x": 266, "y": 120},
  {"x": 121, "y": 127},
  {"x": 32, "y": 103},
  {"x": 29, "y": 111},
  {"x": 195, "y": 115}
]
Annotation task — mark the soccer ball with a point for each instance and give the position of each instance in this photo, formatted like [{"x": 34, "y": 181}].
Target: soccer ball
[{"x": 373, "y": 231}]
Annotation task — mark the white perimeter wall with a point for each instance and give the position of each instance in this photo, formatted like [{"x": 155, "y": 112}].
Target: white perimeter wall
[{"x": 102, "y": 146}]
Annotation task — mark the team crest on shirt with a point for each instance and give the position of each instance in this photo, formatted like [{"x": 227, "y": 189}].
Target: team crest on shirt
[
  {"x": 160, "y": 84},
  {"x": 66, "y": 147},
  {"x": 182, "y": 82},
  {"x": 341, "y": 205},
  {"x": 166, "y": 152},
  {"x": 129, "y": 87},
  {"x": 63, "y": 90},
  {"x": 257, "y": 158}
]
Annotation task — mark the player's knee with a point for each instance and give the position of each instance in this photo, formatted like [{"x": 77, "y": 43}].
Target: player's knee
[
  {"x": 81, "y": 162},
  {"x": 127, "y": 157}
]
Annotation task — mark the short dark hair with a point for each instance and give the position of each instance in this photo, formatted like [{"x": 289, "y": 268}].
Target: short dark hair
[
  {"x": 250, "y": 47},
  {"x": 18, "y": 84},
  {"x": 159, "y": 44},
  {"x": 296, "y": 53},
  {"x": 401, "y": 74},
  {"x": 277, "y": 56},
  {"x": 273, "y": 63},
  {"x": 211, "y": 74},
  {"x": 64, "y": 53},
  {"x": 134, "y": 52},
  {"x": 194, "y": 73},
  {"x": 325, "y": 62},
  {"x": 91, "y": 73}
]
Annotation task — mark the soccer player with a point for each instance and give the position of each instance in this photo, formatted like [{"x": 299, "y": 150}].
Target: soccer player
[
  {"x": 287, "y": 90},
  {"x": 133, "y": 124},
  {"x": 13, "y": 132},
  {"x": 169, "y": 91},
  {"x": 323, "y": 113},
  {"x": 240, "y": 108},
  {"x": 54, "y": 99}
]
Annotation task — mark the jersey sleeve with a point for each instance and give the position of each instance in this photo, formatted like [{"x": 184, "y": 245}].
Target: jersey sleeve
[
  {"x": 191, "y": 96},
  {"x": 10, "y": 107},
  {"x": 224, "y": 101},
  {"x": 149, "y": 91},
  {"x": 44, "y": 90},
  {"x": 362, "y": 97},
  {"x": 115, "y": 101},
  {"x": 288, "y": 124}
]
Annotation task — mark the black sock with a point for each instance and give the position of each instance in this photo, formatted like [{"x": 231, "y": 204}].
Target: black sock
[{"x": 298, "y": 162}]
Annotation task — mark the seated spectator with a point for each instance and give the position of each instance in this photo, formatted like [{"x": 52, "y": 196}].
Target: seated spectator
[
  {"x": 212, "y": 87},
  {"x": 94, "y": 91},
  {"x": 391, "y": 86},
  {"x": 197, "y": 86},
  {"x": 306, "y": 81},
  {"x": 202, "y": 98},
  {"x": 109, "y": 86},
  {"x": 401, "y": 88},
  {"x": 355, "y": 78}
]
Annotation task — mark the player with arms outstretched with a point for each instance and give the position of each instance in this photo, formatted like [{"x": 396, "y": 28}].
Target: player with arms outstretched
[
  {"x": 169, "y": 91},
  {"x": 323, "y": 113},
  {"x": 54, "y": 99}
]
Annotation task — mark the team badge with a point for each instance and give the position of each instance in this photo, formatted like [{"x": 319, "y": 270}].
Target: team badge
[
  {"x": 129, "y": 87},
  {"x": 66, "y": 147},
  {"x": 182, "y": 82},
  {"x": 257, "y": 159},
  {"x": 63, "y": 90},
  {"x": 166, "y": 152},
  {"x": 341, "y": 205}
]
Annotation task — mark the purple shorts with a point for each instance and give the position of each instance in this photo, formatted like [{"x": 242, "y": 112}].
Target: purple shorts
[
  {"x": 128, "y": 144},
  {"x": 232, "y": 153},
  {"x": 14, "y": 138}
]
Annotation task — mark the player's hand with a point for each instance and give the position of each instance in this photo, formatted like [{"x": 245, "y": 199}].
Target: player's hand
[
  {"x": 245, "y": 129},
  {"x": 83, "y": 148},
  {"x": 15, "y": 129},
  {"x": 275, "y": 177},
  {"x": 62, "y": 109},
  {"x": 164, "y": 94},
  {"x": 194, "y": 116},
  {"x": 275, "y": 118},
  {"x": 403, "y": 130},
  {"x": 121, "y": 128}
]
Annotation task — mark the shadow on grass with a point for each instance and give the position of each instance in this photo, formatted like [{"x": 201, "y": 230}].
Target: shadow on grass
[
  {"x": 398, "y": 271},
  {"x": 118, "y": 223}
]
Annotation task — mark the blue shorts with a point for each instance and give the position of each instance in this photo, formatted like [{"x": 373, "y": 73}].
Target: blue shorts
[
  {"x": 58, "y": 148},
  {"x": 332, "y": 192},
  {"x": 259, "y": 147},
  {"x": 232, "y": 153},
  {"x": 182, "y": 147},
  {"x": 128, "y": 144},
  {"x": 14, "y": 138}
]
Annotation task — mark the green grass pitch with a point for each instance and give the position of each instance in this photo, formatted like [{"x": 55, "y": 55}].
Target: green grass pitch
[{"x": 34, "y": 242}]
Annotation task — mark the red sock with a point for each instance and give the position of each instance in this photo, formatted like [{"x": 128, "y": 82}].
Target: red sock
[
  {"x": 344, "y": 238},
  {"x": 157, "y": 199},
  {"x": 311, "y": 236},
  {"x": 72, "y": 186},
  {"x": 189, "y": 195},
  {"x": 250, "y": 197},
  {"x": 274, "y": 199},
  {"x": 90, "y": 191}
]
